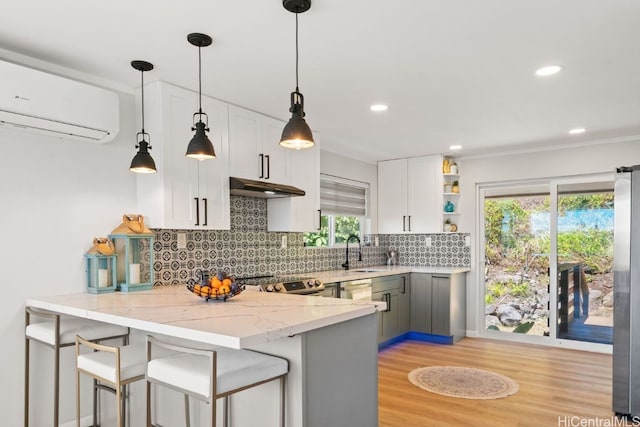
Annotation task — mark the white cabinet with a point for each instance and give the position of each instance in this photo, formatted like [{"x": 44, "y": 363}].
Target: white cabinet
[
  {"x": 184, "y": 193},
  {"x": 410, "y": 195},
  {"x": 255, "y": 151},
  {"x": 299, "y": 214}
]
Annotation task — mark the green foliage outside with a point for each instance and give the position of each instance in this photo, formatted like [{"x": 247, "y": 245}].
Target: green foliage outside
[
  {"x": 510, "y": 241},
  {"x": 344, "y": 226},
  {"x": 320, "y": 238},
  {"x": 508, "y": 233},
  {"x": 497, "y": 290},
  {"x": 513, "y": 247}
]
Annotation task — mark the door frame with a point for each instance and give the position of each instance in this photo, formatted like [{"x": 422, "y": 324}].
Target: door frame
[{"x": 551, "y": 185}]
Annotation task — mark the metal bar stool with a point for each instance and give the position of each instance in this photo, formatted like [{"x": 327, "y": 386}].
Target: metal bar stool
[
  {"x": 111, "y": 368},
  {"x": 211, "y": 374},
  {"x": 57, "y": 331}
]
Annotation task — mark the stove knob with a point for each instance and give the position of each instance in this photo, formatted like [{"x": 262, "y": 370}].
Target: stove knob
[
  {"x": 269, "y": 288},
  {"x": 278, "y": 288},
  {"x": 318, "y": 282},
  {"x": 309, "y": 284}
]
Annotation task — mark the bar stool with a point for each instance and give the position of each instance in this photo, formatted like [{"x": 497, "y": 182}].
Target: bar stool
[
  {"x": 111, "y": 368},
  {"x": 211, "y": 374},
  {"x": 57, "y": 331}
]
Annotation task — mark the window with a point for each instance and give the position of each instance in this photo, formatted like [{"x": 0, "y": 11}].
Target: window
[{"x": 344, "y": 209}]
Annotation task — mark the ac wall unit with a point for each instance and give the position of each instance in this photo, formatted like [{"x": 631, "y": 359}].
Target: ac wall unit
[{"x": 36, "y": 101}]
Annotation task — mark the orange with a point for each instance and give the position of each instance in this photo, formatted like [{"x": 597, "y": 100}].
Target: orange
[
  {"x": 227, "y": 282},
  {"x": 224, "y": 289},
  {"x": 215, "y": 282}
]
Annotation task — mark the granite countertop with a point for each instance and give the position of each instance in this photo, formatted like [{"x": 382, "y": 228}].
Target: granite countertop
[
  {"x": 248, "y": 319},
  {"x": 356, "y": 273}
]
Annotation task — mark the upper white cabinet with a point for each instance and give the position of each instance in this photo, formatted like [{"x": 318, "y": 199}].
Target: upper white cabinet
[
  {"x": 184, "y": 193},
  {"x": 410, "y": 195},
  {"x": 255, "y": 152},
  {"x": 299, "y": 214}
]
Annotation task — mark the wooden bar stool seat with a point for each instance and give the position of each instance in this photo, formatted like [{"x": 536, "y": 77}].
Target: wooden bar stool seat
[{"x": 211, "y": 374}]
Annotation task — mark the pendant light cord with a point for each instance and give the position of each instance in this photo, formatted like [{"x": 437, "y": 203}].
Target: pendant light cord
[
  {"x": 297, "y": 90},
  {"x": 142, "y": 88},
  {"x": 200, "y": 79}
]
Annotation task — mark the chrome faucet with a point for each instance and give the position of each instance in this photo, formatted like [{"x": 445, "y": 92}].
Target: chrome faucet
[{"x": 345, "y": 264}]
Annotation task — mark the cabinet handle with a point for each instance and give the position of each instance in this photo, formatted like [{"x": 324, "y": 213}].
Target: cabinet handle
[
  {"x": 404, "y": 285},
  {"x": 403, "y": 221},
  {"x": 387, "y": 297},
  {"x": 268, "y": 166},
  {"x": 319, "y": 219},
  {"x": 261, "y": 165},
  {"x": 409, "y": 222},
  {"x": 206, "y": 214},
  {"x": 197, "y": 210}
]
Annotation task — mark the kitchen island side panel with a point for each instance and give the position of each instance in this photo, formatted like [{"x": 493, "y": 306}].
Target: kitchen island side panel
[{"x": 342, "y": 374}]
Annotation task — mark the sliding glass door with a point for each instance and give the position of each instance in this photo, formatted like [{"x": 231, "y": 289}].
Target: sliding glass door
[
  {"x": 585, "y": 261},
  {"x": 516, "y": 259},
  {"x": 547, "y": 254}
]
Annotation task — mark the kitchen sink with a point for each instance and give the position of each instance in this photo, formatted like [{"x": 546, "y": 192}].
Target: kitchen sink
[{"x": 368, "y": 270}]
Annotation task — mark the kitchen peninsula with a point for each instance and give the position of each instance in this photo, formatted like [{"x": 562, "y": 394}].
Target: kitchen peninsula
[{"x": 330, "y": 344}]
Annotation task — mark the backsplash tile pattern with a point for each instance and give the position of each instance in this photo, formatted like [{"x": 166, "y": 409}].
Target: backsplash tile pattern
[{"x": 248, "y": 249}]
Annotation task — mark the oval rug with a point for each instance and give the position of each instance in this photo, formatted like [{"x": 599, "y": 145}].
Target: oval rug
[{"x": 466, "y": 383}]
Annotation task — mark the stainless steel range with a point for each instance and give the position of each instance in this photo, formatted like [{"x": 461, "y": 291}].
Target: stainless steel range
[{"x": 285, "y": 285}]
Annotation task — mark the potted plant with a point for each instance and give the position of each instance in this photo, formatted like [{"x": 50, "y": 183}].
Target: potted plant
[
  {"x": 447, "y": 225},
  {"x": 454, "y": 187}
]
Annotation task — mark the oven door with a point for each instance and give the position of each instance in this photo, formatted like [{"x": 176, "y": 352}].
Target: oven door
[{"x": 359, "y": 290}]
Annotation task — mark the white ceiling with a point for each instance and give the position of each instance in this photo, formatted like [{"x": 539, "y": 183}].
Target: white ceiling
[{"x": 452, "y": 71}]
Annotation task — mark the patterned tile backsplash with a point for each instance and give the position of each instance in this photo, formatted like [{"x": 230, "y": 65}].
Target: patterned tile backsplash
[{"x": 248, "y": 249}]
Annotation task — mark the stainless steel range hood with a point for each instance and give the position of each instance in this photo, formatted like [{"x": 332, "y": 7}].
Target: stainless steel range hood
[{"x": 252, "y": 188}]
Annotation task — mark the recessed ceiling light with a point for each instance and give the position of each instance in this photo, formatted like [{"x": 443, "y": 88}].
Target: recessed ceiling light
[
  {"x": 549, "y": 70},
  {"x": 577, "y": 131},
  {"x": 379, "y": 107},
  {"x": 455, "y": 147}
]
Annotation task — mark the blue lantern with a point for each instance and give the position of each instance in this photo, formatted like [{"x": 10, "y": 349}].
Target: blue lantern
[
  {"x": 134, "y": 246},
  {"x": 101, "y": 267}
]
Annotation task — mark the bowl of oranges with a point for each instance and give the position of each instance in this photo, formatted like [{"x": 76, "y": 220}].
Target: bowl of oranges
[{"x": 219, "y": 287}]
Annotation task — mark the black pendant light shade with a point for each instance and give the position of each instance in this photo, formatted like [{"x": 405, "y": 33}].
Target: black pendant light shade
[
  {"x": 297, "y": 134},
  {"x": 200, "y": 146},
  {"x": 142, "y": 162}
]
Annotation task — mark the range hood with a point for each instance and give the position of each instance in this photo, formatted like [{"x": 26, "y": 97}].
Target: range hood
[{"x": 252, "y": 188}]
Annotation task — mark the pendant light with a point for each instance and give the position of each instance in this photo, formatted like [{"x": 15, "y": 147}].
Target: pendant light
[
  {"x": 297, "y": 134},
  {"x": 200, "y": 146},
  {"x": 142, "y": 162}
]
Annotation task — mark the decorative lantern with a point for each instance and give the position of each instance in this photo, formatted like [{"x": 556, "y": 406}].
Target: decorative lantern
[
  {"x": 101, "y": 267},
  {"x": 134, "y": 246}
]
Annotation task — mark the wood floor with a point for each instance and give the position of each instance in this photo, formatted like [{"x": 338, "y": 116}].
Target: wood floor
[{"x": 556, "y": 385}]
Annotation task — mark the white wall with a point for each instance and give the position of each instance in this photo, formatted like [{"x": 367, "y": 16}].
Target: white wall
[
  {"x": 558, "y": 163},
  {"x": 345, "y": 167},
  {"x": 56, "y": 195}
]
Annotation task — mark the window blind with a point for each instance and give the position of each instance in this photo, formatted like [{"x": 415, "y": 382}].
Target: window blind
[{"x": 343, "y": 197}]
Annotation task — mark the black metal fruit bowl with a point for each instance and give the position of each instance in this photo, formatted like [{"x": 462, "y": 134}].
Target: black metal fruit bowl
[{"x": 212, "y": 294}]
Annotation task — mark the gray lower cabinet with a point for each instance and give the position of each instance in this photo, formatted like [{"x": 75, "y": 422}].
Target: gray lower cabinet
[
  {"x": 396, "y": 292},
  {"x": 438, "y": 304}
]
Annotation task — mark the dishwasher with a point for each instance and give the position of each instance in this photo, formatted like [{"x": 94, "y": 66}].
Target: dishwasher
[{"x": 356, "y": 289}]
